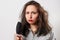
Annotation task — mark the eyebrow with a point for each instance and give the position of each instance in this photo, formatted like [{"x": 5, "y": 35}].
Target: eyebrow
[{"x": 31, "y": 12}]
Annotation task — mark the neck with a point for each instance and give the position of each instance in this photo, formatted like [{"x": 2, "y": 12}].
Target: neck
[{"x": 33, "y": 28}]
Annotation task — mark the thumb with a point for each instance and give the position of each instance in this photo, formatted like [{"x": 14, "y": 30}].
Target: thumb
[{"x": 20, "y": 37}]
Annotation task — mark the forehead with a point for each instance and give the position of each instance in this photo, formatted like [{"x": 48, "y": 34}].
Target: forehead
[{"x": 31, "y": 8}]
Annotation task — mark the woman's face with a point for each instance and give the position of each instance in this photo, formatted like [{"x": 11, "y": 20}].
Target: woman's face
[{"x": 31, "y": 14}]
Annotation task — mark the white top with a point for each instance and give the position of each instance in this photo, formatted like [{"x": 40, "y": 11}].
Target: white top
[{"x": 49, "y": 36}]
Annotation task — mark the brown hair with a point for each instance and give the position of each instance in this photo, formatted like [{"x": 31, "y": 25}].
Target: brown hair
[{"x": 42, "y": 22}]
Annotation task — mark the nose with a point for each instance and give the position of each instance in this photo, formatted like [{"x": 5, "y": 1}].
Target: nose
[{"x": 30, "y": 15}]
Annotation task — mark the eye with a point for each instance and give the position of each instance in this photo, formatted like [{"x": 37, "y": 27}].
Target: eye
[
  {"x": 34, "y": 12},
  {"x": 27, "y": 12}
]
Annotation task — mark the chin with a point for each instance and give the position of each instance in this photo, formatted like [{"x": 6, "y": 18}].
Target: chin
[{"x": 30, "y": 22}]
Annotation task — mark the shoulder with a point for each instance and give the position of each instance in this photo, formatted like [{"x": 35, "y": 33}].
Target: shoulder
[{"x": 50, "y": 36}]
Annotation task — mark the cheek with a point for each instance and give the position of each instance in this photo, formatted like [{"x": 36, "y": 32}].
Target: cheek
[
  {"x": 26, "y": 16},
  {"x": 35, "y": 17}
]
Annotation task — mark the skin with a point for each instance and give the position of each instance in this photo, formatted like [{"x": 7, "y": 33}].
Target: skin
[
  {"x": 19, "y": 37},
  {"x": 31, "y": 14}
]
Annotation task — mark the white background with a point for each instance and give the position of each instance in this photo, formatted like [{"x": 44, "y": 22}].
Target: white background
[{"x": 10, "y": 10}]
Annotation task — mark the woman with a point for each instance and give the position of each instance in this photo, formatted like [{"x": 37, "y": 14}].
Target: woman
[{"x": 34, "y": 23}]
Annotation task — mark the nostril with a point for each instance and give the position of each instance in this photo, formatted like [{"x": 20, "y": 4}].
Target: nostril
[{"x": 30, "y": 16}]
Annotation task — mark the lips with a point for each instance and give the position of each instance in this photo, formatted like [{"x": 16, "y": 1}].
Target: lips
[{"x": 31, "y": 20}]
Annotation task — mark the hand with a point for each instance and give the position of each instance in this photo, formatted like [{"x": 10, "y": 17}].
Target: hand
[{"x": 19, "y": 37}]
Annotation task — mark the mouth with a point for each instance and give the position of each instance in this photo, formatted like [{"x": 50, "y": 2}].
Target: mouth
[{"x": 30, "y": 20}]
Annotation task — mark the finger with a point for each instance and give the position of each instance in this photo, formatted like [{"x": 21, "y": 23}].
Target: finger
[
  {"x": 20, "y": 37},
  {"x": 17, "y": 38}
]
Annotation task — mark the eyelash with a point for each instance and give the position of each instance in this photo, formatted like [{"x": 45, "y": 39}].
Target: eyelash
[
  {"x": 27, "y": 12},
  {"x": 31, "y": 12},
  {"x": 34, "y": 12}
]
